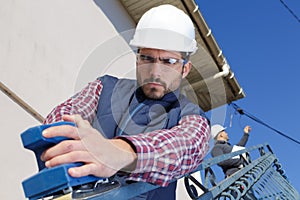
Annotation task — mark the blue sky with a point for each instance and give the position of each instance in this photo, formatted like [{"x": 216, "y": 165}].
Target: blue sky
[{"x": 261, "y": 41}]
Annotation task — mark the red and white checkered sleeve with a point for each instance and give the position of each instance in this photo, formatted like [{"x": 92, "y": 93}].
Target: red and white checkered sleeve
[
  {"x": 164, "y": 155},
  {"x": 83, "y": 103}
]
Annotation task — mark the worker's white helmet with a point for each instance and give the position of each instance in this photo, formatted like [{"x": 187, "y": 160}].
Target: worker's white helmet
[
  {"x": 216, "y": 129},
  {"x": 165, "y": 27}
]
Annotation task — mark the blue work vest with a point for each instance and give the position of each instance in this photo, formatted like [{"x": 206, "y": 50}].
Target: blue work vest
[{"x": 124, "y": 110}]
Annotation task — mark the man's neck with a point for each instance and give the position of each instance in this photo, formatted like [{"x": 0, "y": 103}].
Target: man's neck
[{"x": 223, "y": 140}]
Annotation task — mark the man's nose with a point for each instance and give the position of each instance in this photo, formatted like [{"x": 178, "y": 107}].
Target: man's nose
[{"x": 155, "y": 69}]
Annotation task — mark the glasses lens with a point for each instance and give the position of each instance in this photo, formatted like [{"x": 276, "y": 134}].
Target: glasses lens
[
  {"x": 145, "y": 58},
  {"x": 169, "y": 61},
  {"x": 166, "y": 61}
]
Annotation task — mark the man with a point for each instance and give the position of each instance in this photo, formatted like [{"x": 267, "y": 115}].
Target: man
[
  {"x": 222, "y": 146},
  {"x": 144, "y": 128}
]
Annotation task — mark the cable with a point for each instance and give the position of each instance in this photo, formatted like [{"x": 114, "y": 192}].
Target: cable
[
  {"x": 286, "y": 6},
  {"x": 243, "y": 112},
  {"x": 20, "y": 102}
]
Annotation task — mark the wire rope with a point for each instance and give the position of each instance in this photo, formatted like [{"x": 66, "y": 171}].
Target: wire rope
[{"x": 243, "y": 112}]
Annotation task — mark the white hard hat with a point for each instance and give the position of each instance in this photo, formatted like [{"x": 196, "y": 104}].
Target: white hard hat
[
  {"x": 216, "y": 129},
  {"x": 165, "y": 27}
]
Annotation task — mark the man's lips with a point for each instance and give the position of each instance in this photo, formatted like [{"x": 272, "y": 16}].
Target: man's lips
[{"x": 154, "y": 84}]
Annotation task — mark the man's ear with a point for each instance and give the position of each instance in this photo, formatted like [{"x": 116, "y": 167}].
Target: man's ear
[{"x": 186, "y": 69}]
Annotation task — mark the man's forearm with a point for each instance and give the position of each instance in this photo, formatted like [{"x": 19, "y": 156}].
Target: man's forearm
[{"x": 163, "y": 155}]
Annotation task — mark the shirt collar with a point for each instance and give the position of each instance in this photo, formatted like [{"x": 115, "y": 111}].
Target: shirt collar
[{"x": 168, "y": 98}]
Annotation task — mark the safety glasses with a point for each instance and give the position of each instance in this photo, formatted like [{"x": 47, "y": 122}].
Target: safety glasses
[{"x": 145, "y": 59}]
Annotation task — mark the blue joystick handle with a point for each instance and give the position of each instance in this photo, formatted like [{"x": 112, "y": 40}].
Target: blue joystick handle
[{"x": 33, "y": 140}]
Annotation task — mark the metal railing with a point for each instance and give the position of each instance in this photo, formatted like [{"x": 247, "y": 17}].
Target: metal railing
[{"x": 260, "y": 178}]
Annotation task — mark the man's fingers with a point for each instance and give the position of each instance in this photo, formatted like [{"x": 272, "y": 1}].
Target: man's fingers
[
  {"x": 247, "y": 129},
  {"x": 67, "y": 130},
  {"x": 69, "y": 118},
  {"x": 99, "y": 170},
  {"x": 71, "y": 157},
  {"x": 62, "y": 148},
  {"x": 81, "y": 123},
  {"x": 83, "y": 170},
  {"x": 91, "y": 168},
  {"x": 63, "y": 130},
  {"x": 88, "y": 147}
]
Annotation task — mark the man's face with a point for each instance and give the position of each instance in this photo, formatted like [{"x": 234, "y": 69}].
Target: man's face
[
  {"x": 156, "y": 75},
  {"x": 224, "y": 135}
]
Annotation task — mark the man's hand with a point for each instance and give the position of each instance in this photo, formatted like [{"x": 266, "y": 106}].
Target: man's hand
[
  {"x": 247, "y": 129},
  {"x": 101, "y": 157}
]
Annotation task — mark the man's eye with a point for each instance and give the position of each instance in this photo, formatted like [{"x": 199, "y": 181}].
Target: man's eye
[
  {"x": 147, "y": 58},
  {"x": 170, "y": 61}
]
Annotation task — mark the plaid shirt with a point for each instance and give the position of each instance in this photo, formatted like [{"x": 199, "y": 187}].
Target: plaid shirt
[{"x": 163, "y": 155}]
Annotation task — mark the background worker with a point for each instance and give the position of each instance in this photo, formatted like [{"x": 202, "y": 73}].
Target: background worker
[
  {"x": 222, "y": 146},
  {"x": 144, "y": 128}
]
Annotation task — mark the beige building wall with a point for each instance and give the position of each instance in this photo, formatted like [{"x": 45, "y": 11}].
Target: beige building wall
[{"x": 49, "y": 50}]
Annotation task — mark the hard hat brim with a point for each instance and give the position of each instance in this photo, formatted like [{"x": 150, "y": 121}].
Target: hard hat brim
[{"x": 152, "y": 38}]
